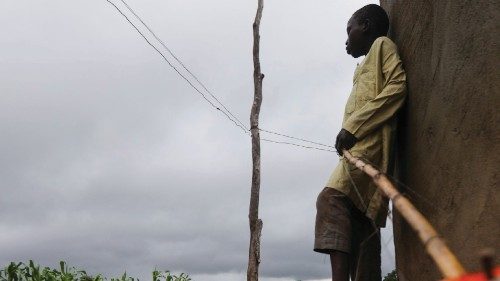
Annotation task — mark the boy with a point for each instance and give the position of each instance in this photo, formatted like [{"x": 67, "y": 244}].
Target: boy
[{"x": 350, "y": 209}]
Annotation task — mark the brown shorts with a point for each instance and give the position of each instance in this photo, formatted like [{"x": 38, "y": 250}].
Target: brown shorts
[{"x": 340, "y": 226}]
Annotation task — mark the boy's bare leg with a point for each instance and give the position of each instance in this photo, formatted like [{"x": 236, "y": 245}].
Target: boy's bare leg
[{"x": 340, "y": 266}]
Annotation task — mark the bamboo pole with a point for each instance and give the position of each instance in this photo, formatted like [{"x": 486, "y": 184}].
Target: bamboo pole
[
  {"x": 253, "y": 215},
  {"x": 435, "y": 246}
]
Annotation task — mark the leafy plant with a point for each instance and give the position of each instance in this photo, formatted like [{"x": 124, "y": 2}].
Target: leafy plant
[
  {"x": 32, "y": 272},
  {"x": 165, "y": 275},
  {"x": 392, "y": 276}
]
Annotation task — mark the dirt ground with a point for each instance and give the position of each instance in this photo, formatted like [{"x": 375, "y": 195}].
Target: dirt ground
[{"x": 449, "y": 130}]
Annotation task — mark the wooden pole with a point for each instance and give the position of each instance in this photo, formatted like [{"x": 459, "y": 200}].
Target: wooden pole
[
  {"x": 435, "y": 246},
  {"x": 253, "y": 216}
]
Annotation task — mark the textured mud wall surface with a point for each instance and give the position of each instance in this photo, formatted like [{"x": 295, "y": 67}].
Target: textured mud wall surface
[{"x": 449, "y": 134}]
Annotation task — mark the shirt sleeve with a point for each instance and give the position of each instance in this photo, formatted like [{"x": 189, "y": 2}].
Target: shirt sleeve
[{"x": 377, "y": 111}]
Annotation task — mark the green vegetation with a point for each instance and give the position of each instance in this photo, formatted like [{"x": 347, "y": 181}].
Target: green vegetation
[
  {"x": 32, "y": 272},
  {"x": 392, "y": 276}
]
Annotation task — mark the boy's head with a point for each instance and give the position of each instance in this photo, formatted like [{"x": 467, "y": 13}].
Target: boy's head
[{"x": 364, "y": 26}]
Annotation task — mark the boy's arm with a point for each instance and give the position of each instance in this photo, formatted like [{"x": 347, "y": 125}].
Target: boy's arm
[{"x": 377, "y": 111}]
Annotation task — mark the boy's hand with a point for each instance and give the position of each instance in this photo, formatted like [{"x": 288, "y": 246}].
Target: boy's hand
[{"x": 345, "y": 140}]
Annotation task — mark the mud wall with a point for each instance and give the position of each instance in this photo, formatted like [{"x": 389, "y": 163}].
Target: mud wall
[{"x": 449, "y": 131}]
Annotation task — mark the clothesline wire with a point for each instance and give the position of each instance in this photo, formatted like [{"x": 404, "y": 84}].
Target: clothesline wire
[
  {"x": 298, "y": 145},
  {"x": 209, "y": 92},
  {"x": 182, "y": 64},
  {"x": 300, "y": 139},
  {"x": 232, "y": 117},
  {"x": 205, "y": 87},
  {"x": 176, "y": 70}
]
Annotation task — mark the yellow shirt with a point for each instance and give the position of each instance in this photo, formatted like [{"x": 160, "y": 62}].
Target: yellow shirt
[{"x": 378, "y": 92}]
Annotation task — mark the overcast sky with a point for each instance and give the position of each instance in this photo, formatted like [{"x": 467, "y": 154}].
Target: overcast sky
[{"x": 110, "y": 161}]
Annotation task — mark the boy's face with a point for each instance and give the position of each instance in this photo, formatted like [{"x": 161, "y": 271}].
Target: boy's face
[{"x": 356, "y": 38}]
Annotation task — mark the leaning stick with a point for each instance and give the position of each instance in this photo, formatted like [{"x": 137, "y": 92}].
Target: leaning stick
[{"x": 435, "y": 246}]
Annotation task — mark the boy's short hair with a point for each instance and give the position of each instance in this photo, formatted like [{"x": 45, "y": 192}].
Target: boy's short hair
[{"x": 377, "y": 17}]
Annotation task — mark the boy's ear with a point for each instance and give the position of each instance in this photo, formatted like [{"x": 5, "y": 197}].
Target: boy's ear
[{"x": 366, "y": 26}]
